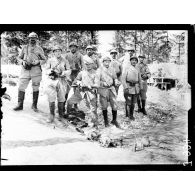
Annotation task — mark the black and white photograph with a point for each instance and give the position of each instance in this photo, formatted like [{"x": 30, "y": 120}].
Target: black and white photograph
[{"x": 96, "y": 96}]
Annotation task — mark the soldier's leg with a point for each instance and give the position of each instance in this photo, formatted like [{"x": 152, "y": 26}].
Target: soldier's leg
[
  {"x": 23, "y": 84},
  {"x": 93, "y": 108},
  {"x": 128, "y": 103},
  {"x": 133, "y": 101},
  {"x": 104, "y": 105},
  {"x": 35, "y": 86},
  {"x": 139, "y": 103},
  {"x": 114, "y": 106},
  {"x": 143, "y": 99},
  {"x": 126, "y": 107},
  {"x": 61, "y": 99}
]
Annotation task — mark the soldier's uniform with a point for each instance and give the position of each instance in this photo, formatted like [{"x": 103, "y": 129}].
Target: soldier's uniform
[
  {"x": 93, "y": 57},
  {"x": 56, "y": 86},
  {"x": 145, "y": 75},
  {"x": 131, "y": 80},
  {"x": 88, "y": 83},
  {"x": 107, "y": 80},
  {"x": 117, "y": 66},
  {"x": 32, "y": 57}
]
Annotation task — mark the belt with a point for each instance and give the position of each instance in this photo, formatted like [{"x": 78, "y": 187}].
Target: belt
[{"x": 132, "y": 83}]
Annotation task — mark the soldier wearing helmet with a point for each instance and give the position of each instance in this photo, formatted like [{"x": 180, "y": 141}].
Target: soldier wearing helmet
[
  {"x": 75, "y": 59},
  {"x": 90, "y": 53},
  {"x": 107, "y": 82},
  {"x": 131, "y": 81},
  {"x": 86, "y": 84},
  {"x": 116, "y": 65},
  {"x": 145, "y": 75},
  {"x": 31, "y": 59},
  {"x": 130, "y": 51},
  {"x": 58, "y": 72}
]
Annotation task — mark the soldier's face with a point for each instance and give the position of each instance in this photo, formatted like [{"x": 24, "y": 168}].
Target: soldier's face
[
  {"x": 113, "y": 55},
  {"x": 73, "y": 48},
  {"x": 133, "y": 62},
  {"x": 33, "y": 41},
  {"x": 141, "y": 60},
  {"x": 106, "y": 63},
  {"x": 131, "y": 52},
  {"x": 57, "y": 53},
  {"x": 89, "y": 52},
  {"x": 89, "y": 66}
]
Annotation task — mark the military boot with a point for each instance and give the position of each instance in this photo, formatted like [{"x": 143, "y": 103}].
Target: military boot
[
  {"x": 114, "y": 116},
  {"x": 60, "y": 112},
  {"x": 131, "y": 107},
  {"x": 126, "y": 110},
  {"x": 105, "y": 115},
  {"x": 35, "y": 100},
  {"x": 52, "y": 112},
  {"x": 21, "y": 95},
  {"x": 143, "y": 107},
  {"x": 139, "y": 105}
]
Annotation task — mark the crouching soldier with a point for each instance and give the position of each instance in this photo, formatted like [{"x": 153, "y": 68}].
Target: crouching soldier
[
  {"x": 107, "y": 81},
  {"x": 56, "y": 84},
  {"x": 31, "y": 58},
  {"x": 145, "y": 75},
  {"x": 87, "y": 83},
  {"x": 131, "y": 81}
]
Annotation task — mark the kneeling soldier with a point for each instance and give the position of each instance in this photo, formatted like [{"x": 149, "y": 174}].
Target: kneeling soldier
[
  {"x": 87, "y": 83},
  {"x": 56, "y": 84},
  {"x": 131, "y": 81},
  {"x": 107, "y": 81}
]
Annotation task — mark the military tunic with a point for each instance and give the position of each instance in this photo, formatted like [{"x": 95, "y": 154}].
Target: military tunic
[
  {"x": 76, "y": 63},
  {"x": 29, "y": 54},
  {"x": 144, "y": 71},
  {"x": 107, "y": 77},
  {"x": 131, "y": 81},
  {"x": 59, "y": 86},
  {"x": 95, "y": 59}
]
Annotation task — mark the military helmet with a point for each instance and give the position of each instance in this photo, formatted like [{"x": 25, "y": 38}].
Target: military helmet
[
  {"x": 89, "y": 47},
  {"x": 57, "y": 47},
  {"x": 133, "y": 57},
  {"x": 141, "y": 56},
  {"x": 130, "y": 48},
  {"x": 73, "y": 44},
  {"x": 113, "y": 51},
  {"x": 88, "y": 60},
  {"x": 106, "y": 59},
  {"x": 33, "y": 35}
]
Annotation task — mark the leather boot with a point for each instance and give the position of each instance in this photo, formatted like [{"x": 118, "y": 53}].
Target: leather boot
[
  {"x": 126, "y": 110},
  {"x": 131, "y": 112},
  {"x": 114, "y": 116},
  {"x": 105, "y": 115},
  {"x": 143, "y": 107},
  {"x": 35, "y": 100},
  {"x": 139, "y": 105},
  {"x": 21, "y": 95},
  {"x": 52, "y": 112}
]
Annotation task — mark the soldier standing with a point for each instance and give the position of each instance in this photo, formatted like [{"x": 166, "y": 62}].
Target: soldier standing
[
  {"x": 145, "y": 75},
  {"x": 56, "y": 83},
  {"x": 87, "y": 83},
  {"x": 131, "y": 80},
  {"x": 107, "y": 81},
  {"x": 90, "y": 53},
  {"x": 75, "y": 59},
  {"x": 117, "y": 66},
  {"x": 31, "y": 58}
]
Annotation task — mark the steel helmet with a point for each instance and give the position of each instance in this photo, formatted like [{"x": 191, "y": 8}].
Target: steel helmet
[
  {"x": 113, "y": 51},
  {"x": 73, "y": 44},
  {"x": 106, "y": 58},
  {"x": 141, "y": 56},
  {"x": 134, "y": 57},
  {"x": 89, "y": 47},
  {"x": 33, "y": 35},
  {"x": 57, "y": 47}
]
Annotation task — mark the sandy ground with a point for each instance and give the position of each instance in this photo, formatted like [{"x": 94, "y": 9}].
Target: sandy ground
[{"x": 27, "y": 139}]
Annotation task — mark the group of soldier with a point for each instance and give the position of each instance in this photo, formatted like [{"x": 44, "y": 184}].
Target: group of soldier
[{"x": 90, "y": 80}]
